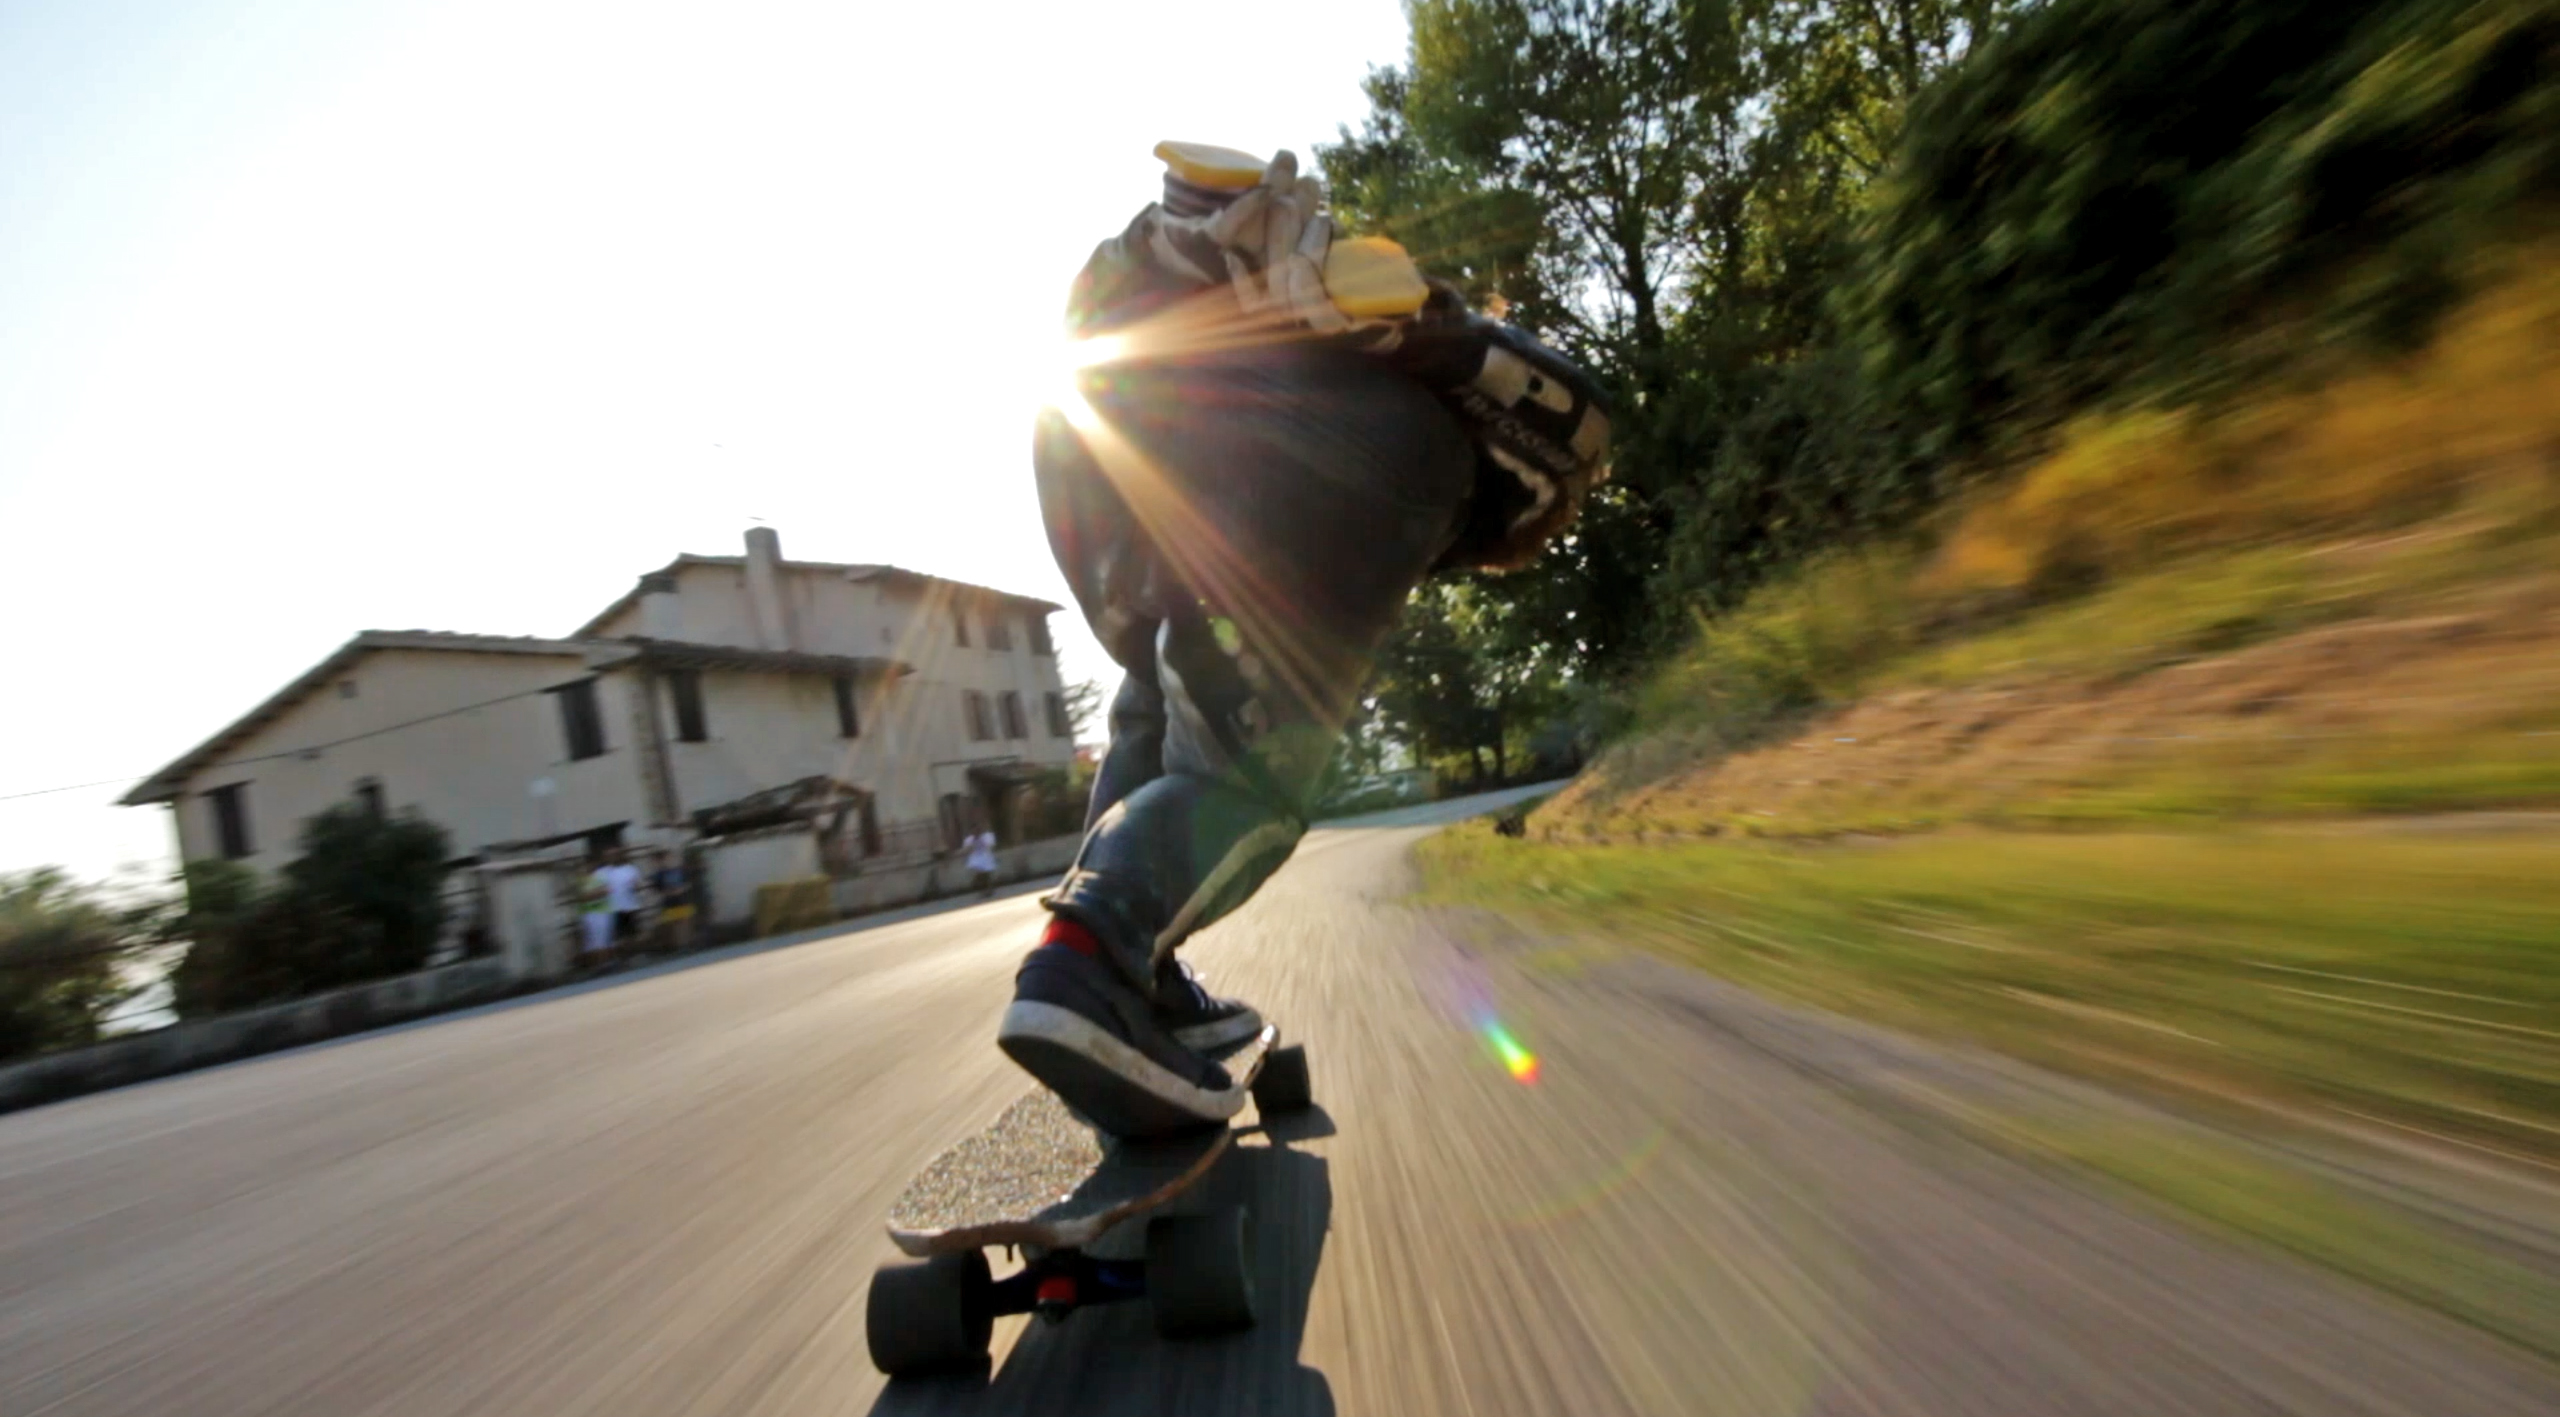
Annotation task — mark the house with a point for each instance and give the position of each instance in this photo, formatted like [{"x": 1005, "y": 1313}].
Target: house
[{"x": 909, "y": 702}]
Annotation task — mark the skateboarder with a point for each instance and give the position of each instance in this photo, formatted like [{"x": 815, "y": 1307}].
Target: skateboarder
[{"x": 1280, "y": 432}]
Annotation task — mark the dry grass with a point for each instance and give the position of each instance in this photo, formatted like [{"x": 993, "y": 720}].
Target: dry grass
[
  {"x": 2330, "y": 602},
  {"x": 2474, "y": 419}
]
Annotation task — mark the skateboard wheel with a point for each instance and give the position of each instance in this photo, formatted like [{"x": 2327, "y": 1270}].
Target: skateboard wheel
[
  {"x": 1200, "y": 1272},
  {"x": 934, "y": 1314},
  {"x": 1282, "y": 1085}
]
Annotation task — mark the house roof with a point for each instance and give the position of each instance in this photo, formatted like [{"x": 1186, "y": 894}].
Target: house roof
[
  {"x": 169, "y": 781},
  {"x": 852, "y": 571}
]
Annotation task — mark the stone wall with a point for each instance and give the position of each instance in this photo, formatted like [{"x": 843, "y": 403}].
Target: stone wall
[{"x": 202, "y": 1043}]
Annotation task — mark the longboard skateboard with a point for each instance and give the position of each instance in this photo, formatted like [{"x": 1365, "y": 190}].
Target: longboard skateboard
[{"x": 1041, "y": 1181}]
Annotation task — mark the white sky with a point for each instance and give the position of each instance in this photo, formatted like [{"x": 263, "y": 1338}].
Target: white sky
[{"x": 327, "y": 315}]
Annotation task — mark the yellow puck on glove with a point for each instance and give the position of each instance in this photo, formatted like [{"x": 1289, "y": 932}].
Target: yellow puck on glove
[
  {"x": 1371, "y": 278},
  {"x": 1208, "y": 165}
]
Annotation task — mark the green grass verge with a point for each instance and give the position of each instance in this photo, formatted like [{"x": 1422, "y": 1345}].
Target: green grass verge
[
  {"x": 2411, "y": 978},
  {"x": 2407, "y": 980}
]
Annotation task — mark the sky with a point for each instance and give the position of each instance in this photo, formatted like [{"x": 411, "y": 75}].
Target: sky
[{"x": 319, "y": 316}]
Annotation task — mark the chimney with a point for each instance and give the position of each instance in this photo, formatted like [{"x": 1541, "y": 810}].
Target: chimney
[
  {"x": 765, "y": 592},
  {"x": 661, "y": 609}
]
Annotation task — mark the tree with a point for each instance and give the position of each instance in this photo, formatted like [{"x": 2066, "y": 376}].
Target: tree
[
  {"x": 364, "y": 900},
  {"x": 62, "y": 953},
  {"x": 2141, "y": 198},
  {"x": 1667, "y": 191},
  {"x": 1453, "y": 679},
  {"x": 1084, "y": 707}
]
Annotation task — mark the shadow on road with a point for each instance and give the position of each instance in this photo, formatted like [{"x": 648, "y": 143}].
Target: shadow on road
[{"x": 1109, "y": 1361}]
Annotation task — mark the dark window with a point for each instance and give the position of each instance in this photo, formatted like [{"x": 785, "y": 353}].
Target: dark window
[
  {"x": 848, "y": 718},
  {"x": 975, "y": 704},
  {"x": 870, "y": 827},
  {"x": 960, "y": 628},
  {"x": 1059, "y": 725},
  {"x": 231, "y": 820},
  {"x": 1040, "y": 641},
  {"x": 346, "y": 688},
  {"x": 952, "y": 821},
  {"x": 999, "y": 632},
  {"x": 580, "y": 721},
  {"x": 685, "y": 687},
  {"x": 1014, "y": 726},
  {"x": 369, "y": 796}
]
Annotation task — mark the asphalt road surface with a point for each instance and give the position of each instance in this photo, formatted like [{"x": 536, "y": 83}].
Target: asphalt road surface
[{"x": 663, "y": 1194}]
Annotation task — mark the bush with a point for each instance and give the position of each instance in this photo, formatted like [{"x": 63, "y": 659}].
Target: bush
[
  {"x": 61, "y": 948},
  {"x": 2118, "y": 198},
  {"x": 364, "y": 901},
  {"x": 1797, "y": 643}
]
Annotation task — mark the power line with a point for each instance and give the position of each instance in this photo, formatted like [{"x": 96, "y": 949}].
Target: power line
[{"x": 304, "y": 751}]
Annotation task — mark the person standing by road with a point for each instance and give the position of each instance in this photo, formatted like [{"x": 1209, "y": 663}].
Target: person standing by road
[
  {"x": 675, "y": 902},
  {"x": 621, "y": 881},
  {"x": 595, "y": 919},
  {"x": 981, "y": 846}
]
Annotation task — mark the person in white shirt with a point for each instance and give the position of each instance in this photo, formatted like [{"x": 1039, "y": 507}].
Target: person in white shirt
[
  {"x": 981, "y": 846},
  {"x": 621, "y": 882}
]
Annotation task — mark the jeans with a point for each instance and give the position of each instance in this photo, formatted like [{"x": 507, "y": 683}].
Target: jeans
[{"x": 1240, "y": 531}]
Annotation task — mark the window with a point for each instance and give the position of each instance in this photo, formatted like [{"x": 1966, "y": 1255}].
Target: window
[
  {"x": 960, "y": 628},
  {"x": 870, "y": 827},
  {"x": 685, "y": 687},
  {"x": 953, "y": 820},
  {"x": 1014, "y": 726},
  {"x": 974, "y": 704},
  {"x": 231, "y": 821},
  {"x": 1060, "y": 726},
  {"x": 369, "y": 796},
  {"x": 1040, "y": 641},
  {"x": 848, "y": 719},
  {"x": 580, "y": 721},
  {"x": 999, "y": 632},
  {"x": 346, "y": 688}
]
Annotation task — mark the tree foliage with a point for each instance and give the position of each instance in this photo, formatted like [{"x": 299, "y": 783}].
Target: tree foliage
[
  {"x": 364, "y": 900},
  {"x": 1833, "y": 259},
  {"x": 2130, "y": 198},
  {"x": 63, "y": 947},
  {"x": 1664, "y": 189}
]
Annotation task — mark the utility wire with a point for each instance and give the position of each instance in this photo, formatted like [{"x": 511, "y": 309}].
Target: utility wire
[{"x": 298, "y": 752}]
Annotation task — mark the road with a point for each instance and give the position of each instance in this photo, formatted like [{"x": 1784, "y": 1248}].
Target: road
[{"x": 663, "y": 1194}]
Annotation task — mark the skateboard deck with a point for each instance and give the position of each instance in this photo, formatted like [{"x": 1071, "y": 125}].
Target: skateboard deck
[{"x": 1040, "y": 1177}]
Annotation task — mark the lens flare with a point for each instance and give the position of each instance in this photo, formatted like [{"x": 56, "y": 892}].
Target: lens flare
[{"x": 1515, "y": 1056}]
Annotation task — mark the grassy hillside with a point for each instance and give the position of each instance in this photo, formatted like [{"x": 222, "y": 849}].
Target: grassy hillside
[{"x": 2218, "y": 754}]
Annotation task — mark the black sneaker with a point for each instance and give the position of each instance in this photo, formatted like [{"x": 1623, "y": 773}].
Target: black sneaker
[
  {"x": 1094, "y": 1041},
  {"x": 1197, "y": 1018}
]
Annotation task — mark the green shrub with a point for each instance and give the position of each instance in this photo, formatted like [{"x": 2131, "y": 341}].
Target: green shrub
[{"x": 61, "y": 949}]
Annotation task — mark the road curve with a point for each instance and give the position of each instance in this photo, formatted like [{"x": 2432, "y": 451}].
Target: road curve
[{"x": 663, "y": 1195}]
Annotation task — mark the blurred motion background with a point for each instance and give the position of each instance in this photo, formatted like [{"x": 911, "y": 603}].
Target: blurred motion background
[{"x": 2080, "y": 581}]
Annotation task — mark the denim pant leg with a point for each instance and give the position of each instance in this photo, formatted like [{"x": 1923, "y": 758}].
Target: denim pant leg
[{"x": 1310, "y": 492}]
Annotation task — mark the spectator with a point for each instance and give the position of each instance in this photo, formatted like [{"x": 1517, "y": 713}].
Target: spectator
[
  {"x": 621, "y": 882},
  {"x": 981, "y": 846},
  {"x": 675, "y": 902},
  {"x": 595, "y": 918}
]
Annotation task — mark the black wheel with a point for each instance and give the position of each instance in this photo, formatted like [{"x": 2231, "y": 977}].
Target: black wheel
[
  {"x": 928, "y": 1315},
  {"x": 1282, "y": 1084},
  {"x": 1200, "y": 1273}
]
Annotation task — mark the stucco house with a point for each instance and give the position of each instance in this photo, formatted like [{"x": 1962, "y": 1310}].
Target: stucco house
[{"x": 904, "y": 697}]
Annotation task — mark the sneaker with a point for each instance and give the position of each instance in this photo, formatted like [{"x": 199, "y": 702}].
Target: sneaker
[
  {"x": 1075, "y": 1025},
  {"x": 1197, "y": 1018}
]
